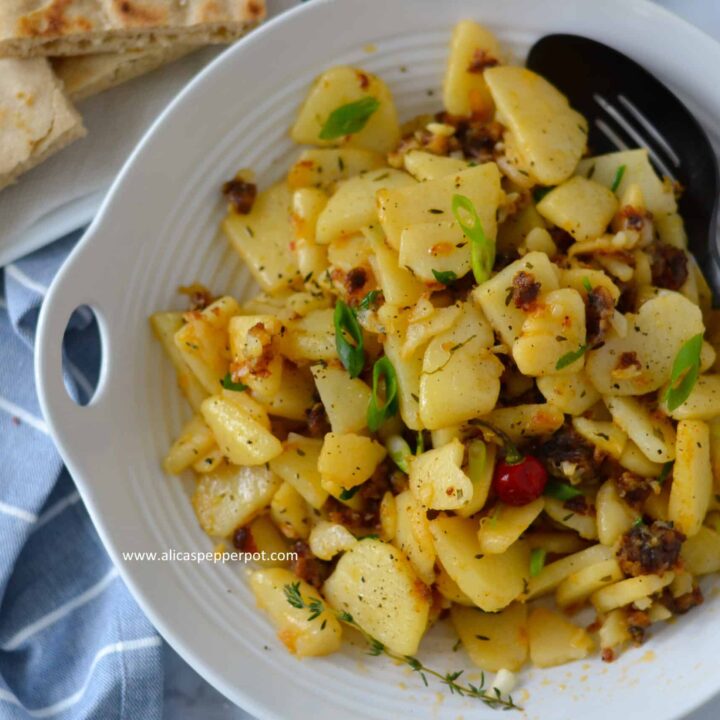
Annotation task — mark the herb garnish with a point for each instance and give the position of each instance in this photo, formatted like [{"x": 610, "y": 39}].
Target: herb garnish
[
  {"x": 349, "y": 119},
  {"x": 228, "y": 384},
  {"x": 586, "y": 284},
  {"x": 618, "y": 178},
  {"x": 351, "y": 354},
  {"x": 293, "y": 596},
  {"x": 666, "y": 468},
  {"x": 348, "y": 494},
  {"x": 446, "y": 277},
  {"x": 481, "y": 247},
  {"x": 537, "y": 561},
  {"x": 570, "y": 357},
  {"x": 560, "y": 490},
  {"x": 540, "y": 192},
  {"x": 685, "y": 371},
  {"x": 370, "y": 300},
  {"x": 377, "y": 414},
  {"x": 399, "y": 452},
  {"x": 492, "y": 699}
]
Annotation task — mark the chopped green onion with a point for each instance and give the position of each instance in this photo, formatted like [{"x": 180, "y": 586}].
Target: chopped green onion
[
  {"x": 349, "y": 119},
  {"x": 228, "y": 384},
  {"x": 349, "y": 494},
  {"x": 560, "y": 490},
  {"x": 586, "y": 284},
  {"x": 399, "y": 452},
  {"x": 638, "y": 521},
  {"x": 420, "y": 444},
  {"x": 482, "y": 249},
  {"x": 351, "y": 354},
  {"x": 540, "y": 192},
  {"x": 370, "y": 300},
  {"x": 377, "y": 414},
  {"x": 685, "y": 371},
  {"x": 666, "y": 468},
  {"x": 477, "y": 461},
  {"x": 446, "y": 277},
  {"x": 570, "y": 357},
  {"x": 537, "y": 561},
  {"x": 618, "y": 178}
]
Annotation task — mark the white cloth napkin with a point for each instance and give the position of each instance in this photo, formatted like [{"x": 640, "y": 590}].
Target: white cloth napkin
[{"x": 65, "y": 192}]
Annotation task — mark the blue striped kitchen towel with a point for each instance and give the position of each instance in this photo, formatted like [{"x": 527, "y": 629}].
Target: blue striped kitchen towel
[{"x": 73, "y": 643}]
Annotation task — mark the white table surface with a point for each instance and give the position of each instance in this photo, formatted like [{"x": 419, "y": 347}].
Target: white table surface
[{"x": 188, "y": 696}]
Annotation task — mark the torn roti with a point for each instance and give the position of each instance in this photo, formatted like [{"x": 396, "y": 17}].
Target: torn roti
[
  {"x": 36, "y": 117},
  {"x": 78, "y": 27}
]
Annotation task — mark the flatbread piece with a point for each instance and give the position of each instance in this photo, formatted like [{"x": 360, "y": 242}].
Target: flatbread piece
[
  {"x": 36, "y": 117},
  {"x": 86, "y": 75},
  {"x": 79, "y": 27}
]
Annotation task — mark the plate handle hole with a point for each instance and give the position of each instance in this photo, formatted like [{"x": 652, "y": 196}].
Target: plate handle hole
[{"x": 82, "y": 355}]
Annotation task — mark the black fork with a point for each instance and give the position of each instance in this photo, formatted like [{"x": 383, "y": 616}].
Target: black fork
[{"x": 627, "y": 107}]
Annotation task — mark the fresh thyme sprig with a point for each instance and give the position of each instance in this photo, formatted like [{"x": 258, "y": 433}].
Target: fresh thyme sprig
[{"x": 492, "y": 698}]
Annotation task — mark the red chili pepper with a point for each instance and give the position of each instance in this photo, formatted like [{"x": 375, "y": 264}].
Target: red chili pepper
[
  {"x": 520, "y": 483},
  {"x": 518, "y": 479}
]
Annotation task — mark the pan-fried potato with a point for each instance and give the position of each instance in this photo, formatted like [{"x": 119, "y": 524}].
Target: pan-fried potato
[
  {"x": 555, "y": 572},
  {"x": 449, "y": 589},
  {"x": 341, "y": 86},
  {"x": 301, "y": 636},
  {"x": 655, "y": 335},
  {"x": 576, "y": 588},
  {"x": 506, "y": 319},
  {"x": 376, "y": 584},
  {"x": 614, "y": 631},
  {"x": 549, "y": 135},
  {"x": 491, "y": 581},
  {"x": 573, "y": 394},
  {"x": 493, "y": 640},
  {"x": 652, "y": 433},
  {"x": 353, "y": 206},
  {"x": 428, "y": 166},
  {"x": 505, "y": 524},
  {"x": 310, "y": 338},
  {"x": 659, "y": 199},
  {"x": 614, "y": 516},
  {"x": 464, "y": 90},
  {"x": 294, "y": 398},
  {"x": 165, "y": 325},
  {"x": 703, "y": 403},
  {"x": 195, "y": 440},
  {"x": 413, "y": 538},
  {"x": 290, "y": 512},
  {"x": 323, "y": 167},
  {"x": 605, "y": 436},
  {"x": 434, "y": 246},
  {"x": 345, "y": 399},
  {"x": 633, "y": 459},
  {"x": 232, "y": 496},
  {"x": 555, "y": 640},
  {"x": 432, "y": 200},
  {"x": 584, "y": 525},
  {"x": 263, "y": 237},
  {"x": 328, "y": 539},
  {"x": 692, "y": 477},
  {"x": 480, "y": 469},
  {"x": 269, "y": 540},
  {"x": 582, "y": 207},
  {"x": 627, "y": 591},
  {"x": 202, "y": 343},
  {"x": 550, "y": 332},
  {"x": 337, "y": 449},
  {"x": 436, "y": 479},
  {"x": 524, "y": 421},
  {"x": 701, "y": 552},
  {"x": 241, "y": 437}
]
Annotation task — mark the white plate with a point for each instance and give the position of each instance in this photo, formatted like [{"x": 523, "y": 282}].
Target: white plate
[{"x": 158, "y": 229}]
